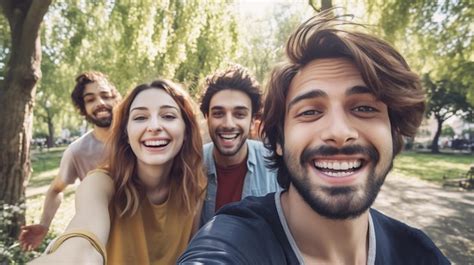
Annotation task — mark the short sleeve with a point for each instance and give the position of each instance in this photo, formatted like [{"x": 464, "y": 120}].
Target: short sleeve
[{"x": 68, "y": 167}]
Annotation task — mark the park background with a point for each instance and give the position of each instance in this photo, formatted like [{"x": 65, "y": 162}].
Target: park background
[{"x": 45, "y": 44}]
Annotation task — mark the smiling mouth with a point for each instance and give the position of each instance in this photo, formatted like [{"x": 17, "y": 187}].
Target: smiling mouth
[
  {"x": 102, "y": 113},
  {"x": 338, "y": 168},
  {"x": 156, "y": 143},
  {"x": 228, "y": 136}
]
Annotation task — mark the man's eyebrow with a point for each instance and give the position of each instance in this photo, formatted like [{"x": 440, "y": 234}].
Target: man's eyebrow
[
  {"x": 87, "y": 94},
  {"x": 315, "y": 93},
  {"x": 241, "y": 108},
  {"x": 359, "y": 90},
  {"x": 216, "y": 107}
]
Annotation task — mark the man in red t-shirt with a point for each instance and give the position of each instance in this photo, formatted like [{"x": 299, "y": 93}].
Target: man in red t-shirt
[{"x": 235, "y": 165}]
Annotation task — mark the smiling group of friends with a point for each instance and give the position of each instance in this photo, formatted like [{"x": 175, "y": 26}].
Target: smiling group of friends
[{"x": 333, "y": 119}]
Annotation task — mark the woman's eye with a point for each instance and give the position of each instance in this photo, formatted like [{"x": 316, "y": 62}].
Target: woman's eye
[
  {"x": 169, "y": 117},
  {"x": 139, "y": 118}
]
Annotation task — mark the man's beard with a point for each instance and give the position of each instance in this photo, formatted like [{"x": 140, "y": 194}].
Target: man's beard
[
  {"x": 100, "y": 122},
  {"x": 343, "y": 202},
  {"x": 226, "y": 152}
]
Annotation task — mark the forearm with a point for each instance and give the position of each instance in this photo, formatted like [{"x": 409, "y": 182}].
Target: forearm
[
  {"x": 97, "y": 223},
  {"x": 51, "y": 204},
  {"x": 92, "y": 207}
]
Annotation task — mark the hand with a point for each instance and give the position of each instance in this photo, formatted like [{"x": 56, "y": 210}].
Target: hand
[{"x": 31, "y": 236}]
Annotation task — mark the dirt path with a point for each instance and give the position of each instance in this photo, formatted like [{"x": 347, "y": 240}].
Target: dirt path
[{"x": 445, "y": 214}]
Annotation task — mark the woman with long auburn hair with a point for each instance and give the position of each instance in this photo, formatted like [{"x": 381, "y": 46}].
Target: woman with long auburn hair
[{"x": 144, "y": 203}]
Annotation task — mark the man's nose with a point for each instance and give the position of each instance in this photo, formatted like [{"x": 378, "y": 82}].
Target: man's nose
[
  {"x": 340, "y": 129},
  {"x": 229, "y": 120},
  {"x": 101, "y": 101}
]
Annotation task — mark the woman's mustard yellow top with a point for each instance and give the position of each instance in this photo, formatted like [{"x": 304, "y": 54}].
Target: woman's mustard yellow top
[{"x": 155, "y": 234}]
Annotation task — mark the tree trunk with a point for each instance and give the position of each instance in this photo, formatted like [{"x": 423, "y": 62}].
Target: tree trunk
[
  {"x": 434, "y": 144},
  {"x": 17, "y": 96},
  {"x": 326, "y": 4},
  {"x": 50, "y": 140}
]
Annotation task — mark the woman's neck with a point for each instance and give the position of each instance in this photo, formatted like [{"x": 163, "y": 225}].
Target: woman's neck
[{"x": 156, "y": 180}]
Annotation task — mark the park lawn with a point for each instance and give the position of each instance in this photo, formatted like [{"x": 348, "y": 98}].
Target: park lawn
[{"x": 432, "y": 167}]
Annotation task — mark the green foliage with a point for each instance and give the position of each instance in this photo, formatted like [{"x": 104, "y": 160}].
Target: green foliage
[
  {"x": 132, "y": 42},
  {"x": 435, "y": 36},
  {"x": 4, "y": 45},
  {"x": 263, "y": 38},
  {"x": 448, "y": 131},
  {"x": 445, "y": 98},
  {"x": 10, "y": 251}
]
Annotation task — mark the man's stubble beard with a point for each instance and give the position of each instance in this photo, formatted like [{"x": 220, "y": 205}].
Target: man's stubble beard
[{"x": 338, "y": 203}]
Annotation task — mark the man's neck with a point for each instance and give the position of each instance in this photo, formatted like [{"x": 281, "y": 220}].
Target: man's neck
[
  {"x": 101, "y": 133},
  {"x": 227, "y": 161},
  {"x": 322, "y": 240}
]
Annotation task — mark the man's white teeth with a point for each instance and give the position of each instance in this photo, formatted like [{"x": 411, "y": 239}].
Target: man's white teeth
[
  {"x": 338, "y": 165},
  {"x": 338, "y": 174},
  {"x": 228, "y": 136},
  {"x": 156, "y": 143},
  {"x": 102, "y": 113}
]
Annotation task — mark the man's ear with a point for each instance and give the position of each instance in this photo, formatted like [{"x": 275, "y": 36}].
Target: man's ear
[{"x": 279, "y": 150}]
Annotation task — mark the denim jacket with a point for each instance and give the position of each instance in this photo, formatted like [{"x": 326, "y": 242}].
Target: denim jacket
[{"x": 259, "y": 180}]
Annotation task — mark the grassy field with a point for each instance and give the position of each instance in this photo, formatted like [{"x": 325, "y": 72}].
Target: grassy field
[{"x": 432, "y": 167}]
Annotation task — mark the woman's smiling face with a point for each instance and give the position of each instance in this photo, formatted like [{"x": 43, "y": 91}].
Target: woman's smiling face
[{"x": 155, "y": 128}]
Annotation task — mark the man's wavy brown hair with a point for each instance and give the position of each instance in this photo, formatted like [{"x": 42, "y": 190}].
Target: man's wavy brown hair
[
  {"x": 235, "y": 77},
  {"x": 77, "y": 94},
  {"x": 382, "y": 68},
  {"x": 187, "y": 174}
]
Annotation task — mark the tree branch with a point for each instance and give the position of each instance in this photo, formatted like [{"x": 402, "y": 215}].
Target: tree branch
[
  {"x": 313, "y": 6},
  {"x": 28, "y": 49}
]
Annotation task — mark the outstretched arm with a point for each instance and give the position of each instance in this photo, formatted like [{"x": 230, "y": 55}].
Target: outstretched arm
[
  {"x": 31, "y": 236},
  {"x": 92, "y": 215}
]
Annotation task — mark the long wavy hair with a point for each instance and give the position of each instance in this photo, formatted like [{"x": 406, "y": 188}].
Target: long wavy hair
[
  {"x": 187, "y": 175},
  {"x": 382, "y": 68}
]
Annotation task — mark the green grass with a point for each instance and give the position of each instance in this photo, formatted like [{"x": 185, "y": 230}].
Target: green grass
[
  {"x": 45, "y": 166},
  {"x": 432, "y": 167}
]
